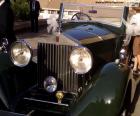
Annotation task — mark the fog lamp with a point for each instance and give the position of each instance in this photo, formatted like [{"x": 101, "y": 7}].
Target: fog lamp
[
  {"x": 20, "y": 53},
  {"x": 50, "y": 84},
  {"x": 81, "y": 60}
]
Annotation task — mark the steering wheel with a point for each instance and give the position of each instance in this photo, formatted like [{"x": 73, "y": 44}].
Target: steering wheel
[{"x": 81, "y": 16}]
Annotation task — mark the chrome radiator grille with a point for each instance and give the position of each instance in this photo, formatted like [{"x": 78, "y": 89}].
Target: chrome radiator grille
[{"x": 53, "y": 60}]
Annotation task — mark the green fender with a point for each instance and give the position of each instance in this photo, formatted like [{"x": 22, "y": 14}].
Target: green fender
[
  {"x": 5, "y": 64},
  {"x": 14, "y": 80},
  {"x": 106, "y": 95}
]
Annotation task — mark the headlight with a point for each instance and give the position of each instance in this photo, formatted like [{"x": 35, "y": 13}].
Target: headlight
[
  {"x": 20, "y": 53},
  {"x": 81, "y": 60},
  {"x": 122, "y": 54},
  {"x": 50, "y": 84}
]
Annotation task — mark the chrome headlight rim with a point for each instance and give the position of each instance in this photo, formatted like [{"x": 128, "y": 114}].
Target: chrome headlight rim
[
  {"x": 89, "y": 53},
  {"x": 48, "y": 85},
  {"x": 25, "y": 43}
]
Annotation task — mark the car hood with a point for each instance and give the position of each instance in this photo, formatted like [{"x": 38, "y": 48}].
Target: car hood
[{"x": 86, "y": 34}]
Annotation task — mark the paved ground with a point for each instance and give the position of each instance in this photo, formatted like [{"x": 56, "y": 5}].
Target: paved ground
[
  {"x": 137, "y": 110},
  {"x": 34, "y": 38}
]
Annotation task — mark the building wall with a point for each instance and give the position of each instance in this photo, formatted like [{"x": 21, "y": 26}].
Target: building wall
[
  {"x": 51, "y": 8},
  {"x": 56, "y": 3}
]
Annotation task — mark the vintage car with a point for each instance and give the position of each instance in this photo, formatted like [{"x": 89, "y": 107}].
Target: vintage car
[{"x": 86, "y": 72}]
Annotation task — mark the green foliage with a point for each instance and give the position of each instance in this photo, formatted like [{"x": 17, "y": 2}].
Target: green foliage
[{"x": 21, "y": 9}]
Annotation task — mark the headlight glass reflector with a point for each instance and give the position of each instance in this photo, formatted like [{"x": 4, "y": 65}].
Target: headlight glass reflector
[
  {"x": 50, "y": 84},
  {"x": 20, "y": 53},
  {"x": 81, "y": 60}
]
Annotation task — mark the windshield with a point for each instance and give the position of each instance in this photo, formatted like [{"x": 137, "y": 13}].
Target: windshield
[{"x": 111, "y": 15}]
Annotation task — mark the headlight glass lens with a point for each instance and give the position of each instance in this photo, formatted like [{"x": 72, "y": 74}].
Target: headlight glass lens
[
  {"x": 81, "y": 60},
  {"x": 20, "y": 53},
  {"x": 50, "y": 84}
]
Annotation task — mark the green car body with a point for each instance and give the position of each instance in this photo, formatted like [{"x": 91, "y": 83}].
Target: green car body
[{"x": 108, "y": 89}]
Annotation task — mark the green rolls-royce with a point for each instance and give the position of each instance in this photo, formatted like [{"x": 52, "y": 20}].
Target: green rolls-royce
[{"x": 86, "y": 72}]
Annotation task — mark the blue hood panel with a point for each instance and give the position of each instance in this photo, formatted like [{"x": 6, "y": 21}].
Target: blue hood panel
[{"x": 86, "y": 31}]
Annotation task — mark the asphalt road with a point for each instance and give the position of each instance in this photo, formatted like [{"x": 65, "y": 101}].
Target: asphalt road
[{"x": 42, "y": 35}]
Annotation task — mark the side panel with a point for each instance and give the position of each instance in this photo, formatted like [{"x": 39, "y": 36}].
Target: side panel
[{"x": 105, "y": 96}]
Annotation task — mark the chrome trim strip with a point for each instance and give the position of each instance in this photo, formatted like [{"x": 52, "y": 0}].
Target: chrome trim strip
[
  {"x": 32, "y": 99},
  {"x": 97, "y": 39}
]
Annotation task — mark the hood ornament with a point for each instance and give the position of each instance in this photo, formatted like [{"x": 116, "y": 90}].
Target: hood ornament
[{"x": 59, "y": 96}]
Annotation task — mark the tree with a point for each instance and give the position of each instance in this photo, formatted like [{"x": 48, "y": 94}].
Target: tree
[{"x": 21, "y": 9}]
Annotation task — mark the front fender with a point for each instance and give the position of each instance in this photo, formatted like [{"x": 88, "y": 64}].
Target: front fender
[
  {"x": 105, "y": 96},
  {"x": 14, "y": 80},
  {"x": 5, "y": 64}
]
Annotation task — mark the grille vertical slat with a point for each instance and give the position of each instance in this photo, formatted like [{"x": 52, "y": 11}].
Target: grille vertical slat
[
  {"x": 43, "y": 56},
  {"x": 53, "y": 60},
  {"x": 75, "y": 81},
  {"x": 69, "y": 49},
  {"x": 68, "y": 72},
  {"x": 72, "y": 80},
  {"x": 46, "y": 59},
  {"x": 64, "y": 66},
  {"x": 60, "y": 62},
  {"x": 49, "y": 60},
  {"x": 56, "y": 58},
  {"x": 39, "y": 66}
]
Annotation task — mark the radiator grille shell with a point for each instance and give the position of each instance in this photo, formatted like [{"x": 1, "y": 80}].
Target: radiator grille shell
[{"x": 53, "y": 60}]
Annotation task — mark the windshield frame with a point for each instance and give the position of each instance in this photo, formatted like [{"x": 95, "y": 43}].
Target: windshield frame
[{"x": 66, "y": 4}]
